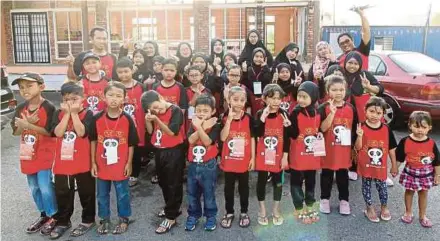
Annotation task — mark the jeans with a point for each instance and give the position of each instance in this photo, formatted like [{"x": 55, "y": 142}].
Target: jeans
[
  {"x": 202, "y": 180},
  {"x": 43, "y": 192},
  {"x": 122, "y": 198}
]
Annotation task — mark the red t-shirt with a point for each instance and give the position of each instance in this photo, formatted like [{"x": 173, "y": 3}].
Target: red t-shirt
[
  {"x": 236, "y": 151},
  {"x": 41, "y": 146},
  {"x": 81, "y": 156},
  {"x": 108, "y": 64},
  {"x": 199, "y": 153},
  {"x": 301, "y": 151},
  {"x": 133, "y": 107},
  {"x": 113, "y": 135},
  {"x": 94, "y": 94},
  {"x": 175, "y": 94},
  {"x": 338, "y": 156},
  {"x": 418, "y": 154},
  {"x": 373, "y": 156},
  {"x": 173, "y": 118}
]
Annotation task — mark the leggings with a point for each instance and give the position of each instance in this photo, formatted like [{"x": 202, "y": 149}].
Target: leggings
[
  {"x": 296, "y": 190},
  {"x": 243, "y": 190},
  {"x": 381, "y": 187},
  {"x": 341, "y": 182},
  {"x": 276, "y": 182}
]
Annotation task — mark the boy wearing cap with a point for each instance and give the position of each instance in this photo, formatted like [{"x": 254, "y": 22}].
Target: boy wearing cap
[
  {"x": 32, "y": 122},
  {"x": 94, "y": 83}
]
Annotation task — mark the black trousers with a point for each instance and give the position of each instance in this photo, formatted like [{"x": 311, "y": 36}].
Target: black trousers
[
  {"x": 276, "y": 183},
  {"x": 65, "y": 195},
  {"x": 170, "y": 163},
  {"x": 341, "y": 182},
  {"x": 138, "y": 154},
  {"x": 296, "y": 191},
  {"x": 243, "y": 190}
]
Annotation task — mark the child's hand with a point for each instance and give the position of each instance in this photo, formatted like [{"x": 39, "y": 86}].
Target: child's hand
[
  {"x": 226, "y": 92},
  {"x": 359, "y": 130},
  {"x": 264, "y": 62},
  {"x": 286, "y": 121},
  {"x": 332, "y": 107},
  {"x": 32, "y": 118},
  {"x": 275, "y": 76},
  {"x": 75, "y": 108},
  {"x": 297, "y": 81},
  {"x": 252, "y": 164},
  {"x": 65, "y": 108},
  {"x": 394, "y": 171},
  {"x": 197, "y": 123},
  {"x": 150, "y": 117},
  {"x": 284, "y": 163},
  {"x": 264, "y": 114},
  {"x": 135, "y": 68},
  {"x": 217, "y": 61},
  {"x": 94, "y": 170},
  {"x": 218, "y": 68},
  {"x": 244, "y": 66},
  {"x": 21, "y": 123},
  {"x": 127, "y": 169},
  {"x": 208, "y": 124},
  {"x": 230, "y": 114}
]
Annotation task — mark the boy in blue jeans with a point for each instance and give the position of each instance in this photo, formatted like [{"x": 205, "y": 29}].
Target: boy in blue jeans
[{"x": 202, "y": 170}]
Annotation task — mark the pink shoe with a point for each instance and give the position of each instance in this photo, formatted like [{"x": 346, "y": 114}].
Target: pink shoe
[
  {"x": 324, "y": 206},
  {"x": 344, "y": 207}
]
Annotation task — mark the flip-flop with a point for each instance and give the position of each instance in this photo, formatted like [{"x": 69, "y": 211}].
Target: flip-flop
[
  {"x": 385, "y": 218},
  {"x": 371, "y": 220},
  {"x": 228, "y": 219},
  {"x": 166, "y": 227},
  {"x": 425, "y": 222},
  {"x": 407, "y": 219},
  {"x": 262, "y": 220}
]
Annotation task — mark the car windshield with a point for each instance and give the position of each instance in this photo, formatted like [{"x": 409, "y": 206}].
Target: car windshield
[{"x": 416, "y": 63}]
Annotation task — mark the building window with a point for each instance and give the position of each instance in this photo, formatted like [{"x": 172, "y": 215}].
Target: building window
[
  {"x": 383, "y": 43},
  {"x": 68, "y": 33},
  {"x": 144, "y": 29},
  {"x": 212, "y": 27},
  {"x": 270, "y": 33}
]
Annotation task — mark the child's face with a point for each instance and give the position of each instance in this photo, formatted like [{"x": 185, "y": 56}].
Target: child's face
[
  {"x": 149, "y": 49},
  {"x": 185, "y": 50},
  {"x": 92, "y": 66},
  {"x": 420, "y": 131},
  {"x": 258, "y": 58},
  {"x": 30, "y": 89},
  {"x": 218, "y": 47},
  {"x": 114, "y": 98},
  {"x": 200, "y": 62},
  {"x": 157, "y": 67},
  {"x": 273, "y": 102},
  {"x": 124, "y": 74},
  {"x": 352, "y": 66},
  {"x": 138, "y": 59},
  {"x": 374, "y": 114},
  {"x": 284, "y": 74},
  {"x": 228, "y": 61},
  {"x": 234, "y": 76},
  {"x": 204, "y": 112},
  {"x": 72, "y": 98},
  {"x": 291, "y": 54},
  {"x": 195, "y": 77},
  {"x": 158, "y": 107},
  {"x": 237, "y": 101},
  {"x": 303, "y": 99},
  {"x": 336, "y": 92},
  {"x": 169, "y": 72}
]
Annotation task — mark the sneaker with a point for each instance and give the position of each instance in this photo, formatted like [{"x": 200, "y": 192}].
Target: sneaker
[
  {"x": 132, "y": 181},
  {"x": 36, "y": 226},
  {"x": 211, "y": 224},
  {"x": 324, "y": 206},
  {"x": 191, "y": 223},
  {"x": 352, "y": 176},
  {"x": 389, "y": 182},
  {"x": 344, "y": 207},
  {"x": 48, "y": 226}
]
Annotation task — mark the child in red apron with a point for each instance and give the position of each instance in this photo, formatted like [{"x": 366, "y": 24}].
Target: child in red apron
[
  {"x": 273, "y": 143},
  {"x": 338, "y": 125},
  {"x": 290, "y": 83},
  {"x": 234, "y": 75},
  {"x": 422, "y": 168},
  {"x": 238, "y": 155},
  {"x": 361, "y": 86},
  {"x": 306, "y": 151},
  {"x": 375, "y": 141},
  {"x": 257, "y": 76}
]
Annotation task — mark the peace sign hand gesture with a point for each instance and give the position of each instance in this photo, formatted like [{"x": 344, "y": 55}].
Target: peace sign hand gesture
[
  {"x": 275, "y": 76},
  {"x": 297, "y": 81},
  {"x": 286, "y": 121},
  {"x": 359, "y": 130},
  {"x": 365, "y": 82},
  {"x": 127, "y": 42},
  {"x": 70, "y": 59},
  {"x": 333, "y": 108}
]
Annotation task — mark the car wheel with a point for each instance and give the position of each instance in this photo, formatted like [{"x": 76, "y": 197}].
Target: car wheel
[{"x": 391, "y": 114}]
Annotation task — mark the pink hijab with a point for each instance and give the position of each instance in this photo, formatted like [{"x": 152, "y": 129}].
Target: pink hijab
[{"x": 320, "y": 64}]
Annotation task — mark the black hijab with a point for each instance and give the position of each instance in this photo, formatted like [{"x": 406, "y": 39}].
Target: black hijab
[
  {"x": 246, "y": 54},
  {"x": 279, "y": 68},
  {"x": 183, "y": 61},
  {"x": 353, "y": 77},
  {"x": 149, "y": 59},
  {"x": 282, "y": 58},
  {"x": 312, "y": 90},
  {"x": 332, "y": 68},
  {"x": 204, "y": 57},
  {"x": 214, "y": 54},
  {"x": 143, "y": 70}
]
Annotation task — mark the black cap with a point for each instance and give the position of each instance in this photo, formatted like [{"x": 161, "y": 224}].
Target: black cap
[
  {"x": 29, "y": 76},
  {"x": 90, "y": 55}
]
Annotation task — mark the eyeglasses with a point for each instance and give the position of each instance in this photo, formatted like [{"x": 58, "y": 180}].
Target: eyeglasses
[
  {"x": 344, "y": 42},
  {"x": 233, "y": 75}
]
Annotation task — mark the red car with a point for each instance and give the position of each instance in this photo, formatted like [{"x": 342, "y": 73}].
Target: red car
[{"x": 411, "y": 81}]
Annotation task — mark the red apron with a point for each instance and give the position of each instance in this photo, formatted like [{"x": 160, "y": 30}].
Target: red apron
[{"x": 270, "y": 146}]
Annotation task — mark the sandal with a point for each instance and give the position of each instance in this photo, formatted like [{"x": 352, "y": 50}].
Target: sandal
[
  {"x": 104, "y": 226},
  {"x": 425, "y": 222},
  {"x": 385, "y": 216},
  {"x": 306, "y": 218},
  {"x": 227, "y": 220},
  {"x": 407, "y": 218},
  {"x": 277, "y": 220},
  {"x": 314, "y": 216},
  {"x": 244, "y": 220},
  {"x": 374, "y": 219},
  {"x": 122, "y": 226},
  {"x": 165, "y": 226},
  {"x": 262, "y": 220},
  {"x": 37, "y": 225},
  {"x": 155, "y": 179},
  {"x": 81, "y": 229},
  {"x": 58, "y": 231}
]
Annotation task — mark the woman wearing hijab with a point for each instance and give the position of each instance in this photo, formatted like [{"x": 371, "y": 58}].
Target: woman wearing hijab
[
  {"x": 151, "y": 49},
  {"x": 217, "y": 52},
  {"x": 289, "y": 86},
  {"x": 288, "y": 55},
  {"x": 184, "y": 54},
  {"x": 140, "y": 69},
  {"x": 253, "y": 41}
]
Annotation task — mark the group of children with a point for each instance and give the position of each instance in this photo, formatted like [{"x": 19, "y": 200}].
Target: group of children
[{"x": 237, "y": 122}]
